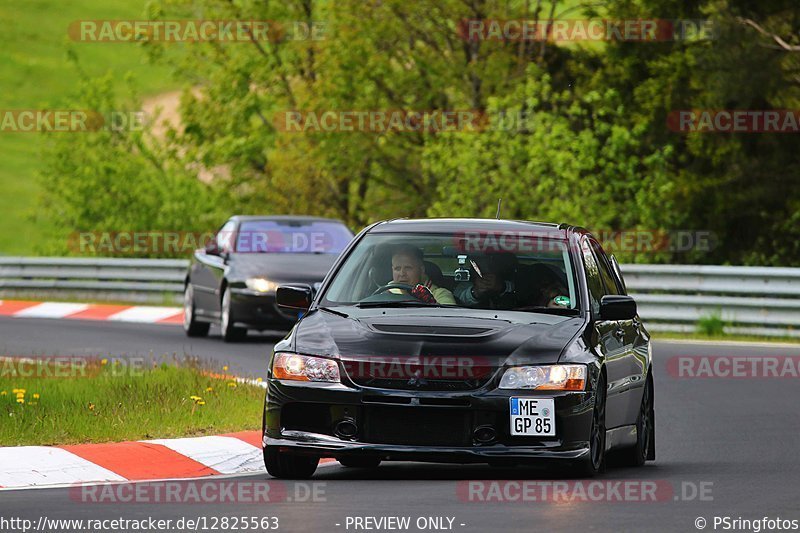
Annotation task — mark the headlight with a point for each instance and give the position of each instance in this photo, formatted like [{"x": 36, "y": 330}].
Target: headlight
[
  {"x": 261, "y": 285},
  {"x": 305, "y": 368},
  {"x": 545, "y": 377}
]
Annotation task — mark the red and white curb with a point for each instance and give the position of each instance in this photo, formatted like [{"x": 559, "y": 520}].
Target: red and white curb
[
  {"x": 147, "y": 460},
  {"x": 119, "y": 313}
]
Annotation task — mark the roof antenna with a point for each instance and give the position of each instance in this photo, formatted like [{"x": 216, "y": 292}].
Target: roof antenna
[{"x": 499, "y": 201}]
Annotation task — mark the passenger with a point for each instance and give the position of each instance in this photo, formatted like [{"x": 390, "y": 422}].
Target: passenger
[
  {"x": 493, "y": 286},
  {"x": 408, "y": 266},
  {"x": 554, "y": 295}
]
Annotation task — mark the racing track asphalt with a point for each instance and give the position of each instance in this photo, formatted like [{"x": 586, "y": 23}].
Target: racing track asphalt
[{"x": 737, "y": 438}]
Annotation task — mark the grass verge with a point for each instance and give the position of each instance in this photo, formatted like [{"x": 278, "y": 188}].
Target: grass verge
[
  {"x": 658, "y": 335},
  {"x": 72, "y": 402}
]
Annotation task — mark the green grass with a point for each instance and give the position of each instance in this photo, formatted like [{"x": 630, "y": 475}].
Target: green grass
[
  {"x": 115, "y": 402},
  {"x": 37, "y": 75},
  {"x": 657, "y": 335},
  {"x": 711, "y": 325}
]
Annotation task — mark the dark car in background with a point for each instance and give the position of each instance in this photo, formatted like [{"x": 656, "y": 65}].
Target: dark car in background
[
  {"x": 465, "y": 341},
  {"x": 232, "y": 281}
]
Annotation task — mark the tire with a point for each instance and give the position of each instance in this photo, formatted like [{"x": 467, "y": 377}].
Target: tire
[
  {"x": 645, "y": 431},
  {"x": 230, "y": 333},
  {"x": 360, "y": 462},
  {"x": 596, "y": 462},
  {"x": 191, "y": 326},
  {"x": 283, "y": 465}
]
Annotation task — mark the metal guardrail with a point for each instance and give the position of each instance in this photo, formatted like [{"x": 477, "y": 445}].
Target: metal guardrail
[
  {"x": 750, "y": 300},
  {"x": 124, "y": 280}
]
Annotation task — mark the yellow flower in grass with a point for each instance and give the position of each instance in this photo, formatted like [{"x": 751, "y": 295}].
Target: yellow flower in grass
[
  {"x": 35, "y": 395},
  {"x": 3, "y": 393},
  {"x": 259, "y": 380},
  {"x": 225, "y": 368},
  {"x": 201, "y": 402},
  {"x": 209, "y": 389},
  {"x": 195, "y": 398},
  {"x": 20, "y": 395},
  {"x": 104, "y": 361},
  {"x": 232, "y": 384},
  {"x": 17, "y": 391},
  {"x": 20, "y": 400}
]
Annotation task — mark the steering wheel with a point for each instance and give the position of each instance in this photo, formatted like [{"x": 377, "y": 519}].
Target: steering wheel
[{"x": 393, "y": 285}]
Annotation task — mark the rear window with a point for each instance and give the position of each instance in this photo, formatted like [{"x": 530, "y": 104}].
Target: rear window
[{"x": 295, "y": 237}]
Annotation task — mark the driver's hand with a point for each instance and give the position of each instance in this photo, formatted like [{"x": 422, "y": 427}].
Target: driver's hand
[
  {"x": 488, "y": 284},
  {"x": 424, "y": 294}
]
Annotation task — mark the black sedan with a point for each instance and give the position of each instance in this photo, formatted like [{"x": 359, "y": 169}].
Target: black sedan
[
  {"x": 232, "y": 281},
  {"x": 462, "y": 340}
]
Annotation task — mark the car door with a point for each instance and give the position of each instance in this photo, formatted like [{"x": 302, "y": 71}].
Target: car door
[
  {"x": 630, "y": 366},
  {"x": 637, "y": 341},
  {"x": 208, "y": 271},
  {"x": 609, "y": 343}
]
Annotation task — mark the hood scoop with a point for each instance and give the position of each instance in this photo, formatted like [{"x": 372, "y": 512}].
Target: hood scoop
[{"x": 450, "y": 331}]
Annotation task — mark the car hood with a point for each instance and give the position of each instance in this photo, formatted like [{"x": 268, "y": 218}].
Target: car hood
[
  {"x": 280, "y": 267},
  {"x": 498, "y": 338}
]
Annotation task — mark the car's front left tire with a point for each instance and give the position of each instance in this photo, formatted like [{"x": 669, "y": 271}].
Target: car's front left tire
[
  {"x": 191, "y": 326},
  {"x": 284, "y": 465},
  {"x": 595, "y": 462},
  {"x": 644, "y": 448}
]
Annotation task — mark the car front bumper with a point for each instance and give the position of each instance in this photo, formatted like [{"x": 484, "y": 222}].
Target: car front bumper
[
  {"x": 302, "y": 418},
  {"x": 254, "y": 310}
]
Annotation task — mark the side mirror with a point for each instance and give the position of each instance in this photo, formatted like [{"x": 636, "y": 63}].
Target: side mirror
[
  {"x": 294, "y": 297},
  {"x": 617, "y": 307},
  {"x": 211, "y": 247}
]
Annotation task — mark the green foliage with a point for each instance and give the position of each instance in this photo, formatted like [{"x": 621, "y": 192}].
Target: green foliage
[
  {"x": 118, "y": 181},
  {"x": 578, "y": 133},
  {"x": 36, "y": 74},
  {"x": 711, "y": 325}
]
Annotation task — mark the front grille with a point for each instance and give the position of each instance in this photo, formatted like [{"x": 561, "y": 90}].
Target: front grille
[
  {"x": 418, "y": 426},
  {"x": 421, "y": 384}
]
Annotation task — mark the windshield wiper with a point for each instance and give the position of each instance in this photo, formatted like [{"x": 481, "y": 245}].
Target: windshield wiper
[
  {"x": 333, "y": 312},
  {"x": 400, "y": 303},
  {"x": 549, "y": 310}
]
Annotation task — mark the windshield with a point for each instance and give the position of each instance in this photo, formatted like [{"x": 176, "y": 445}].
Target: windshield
[
  {"x": 444, "y": 270},
  {"x": 295, "y": 236}
]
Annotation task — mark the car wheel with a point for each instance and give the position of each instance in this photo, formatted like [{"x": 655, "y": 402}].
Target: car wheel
[
  {"x": 191, "y": 326},
  {"x": 645, "y": 431},
  {"x": 595, "y": 463},
  {"x": 284, "y": 465},
  {"x": 359, "y": 462},
  {"x": 230, "y": 333}
]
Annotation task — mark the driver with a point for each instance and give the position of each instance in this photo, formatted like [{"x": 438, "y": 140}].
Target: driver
[{"x": 408, "y": 266}]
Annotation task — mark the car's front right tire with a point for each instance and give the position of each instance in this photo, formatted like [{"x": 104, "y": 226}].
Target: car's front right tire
[
  {"x": 191, "y": 326},
  {"x": 284, "y": 465}
]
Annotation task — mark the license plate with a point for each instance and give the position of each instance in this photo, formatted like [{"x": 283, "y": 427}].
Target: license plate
[{"x": 533, "y": 417}]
